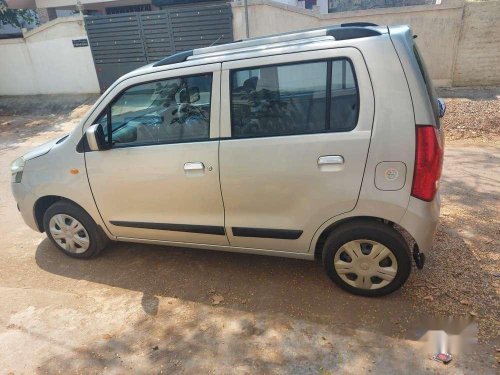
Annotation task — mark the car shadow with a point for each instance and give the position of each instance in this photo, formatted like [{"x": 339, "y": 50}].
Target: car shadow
[
  {"x": 292, "y": 301},
  {"x": 296, "y": 288}
]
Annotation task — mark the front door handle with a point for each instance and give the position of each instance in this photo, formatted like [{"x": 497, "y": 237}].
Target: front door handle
[{"x": 194, "y": 166}]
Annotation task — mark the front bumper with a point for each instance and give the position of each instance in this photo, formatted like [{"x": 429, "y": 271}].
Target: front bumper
[{"x": 25, "y": 203}]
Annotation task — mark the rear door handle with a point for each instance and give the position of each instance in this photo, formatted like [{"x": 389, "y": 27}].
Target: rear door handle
[
  {"x": 330, "y": 159},
  {"x": 331, "y": 163},
  {"x": 194, "y": 166}
]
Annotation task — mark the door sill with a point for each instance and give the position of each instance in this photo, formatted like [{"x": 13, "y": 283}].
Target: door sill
[{"x": 244, "y": 250}]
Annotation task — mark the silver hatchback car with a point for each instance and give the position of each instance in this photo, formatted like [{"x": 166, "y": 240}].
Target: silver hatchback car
[{"x": 318, "y": 144}]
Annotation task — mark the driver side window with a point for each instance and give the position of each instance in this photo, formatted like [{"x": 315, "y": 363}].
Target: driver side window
[{"x": 167, "y": 111}]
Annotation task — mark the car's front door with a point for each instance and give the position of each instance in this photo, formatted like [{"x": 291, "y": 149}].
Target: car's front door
[{"x": 160, "y": 178}]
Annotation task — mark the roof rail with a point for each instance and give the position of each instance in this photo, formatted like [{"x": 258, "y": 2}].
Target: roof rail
[
  {"x": 261, "y": 47},
  {"x": 175, "y": 58},
  {"x": 344, "y": 31},
  {"x": 252, "y": 42},
  {"x": 360, "y": 24}
]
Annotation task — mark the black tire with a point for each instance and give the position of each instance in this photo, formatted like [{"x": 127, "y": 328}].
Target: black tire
[
  {"x": 373, "y": 231},
  {"x": 97, "y": 239}
]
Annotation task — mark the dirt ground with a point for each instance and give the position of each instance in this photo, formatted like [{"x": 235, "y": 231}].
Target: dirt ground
[{"x": 156, "y": 309}]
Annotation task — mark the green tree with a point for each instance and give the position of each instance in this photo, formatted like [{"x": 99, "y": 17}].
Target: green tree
[{"x": 15, "y": 17}]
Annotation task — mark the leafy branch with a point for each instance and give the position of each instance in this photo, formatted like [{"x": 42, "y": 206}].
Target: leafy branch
[{"x": 16, "y": 17}]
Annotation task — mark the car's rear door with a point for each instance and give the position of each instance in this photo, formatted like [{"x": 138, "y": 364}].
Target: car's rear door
[{"x": 295, "y": 133}]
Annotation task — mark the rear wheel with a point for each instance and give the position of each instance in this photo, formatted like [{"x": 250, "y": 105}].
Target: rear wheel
[
  {"x": 73, "y": 231},
  {"x": 367, "y": 258}
]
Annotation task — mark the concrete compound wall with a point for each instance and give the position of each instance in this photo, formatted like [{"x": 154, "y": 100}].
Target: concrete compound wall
[
  {"x": 44, "y": 61},
  {"x": 460, "y": 41},
  {"x": 478, "y": 53}
]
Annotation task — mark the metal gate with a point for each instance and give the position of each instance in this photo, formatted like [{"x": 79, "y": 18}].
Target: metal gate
[{"x": 123, "y": 42}]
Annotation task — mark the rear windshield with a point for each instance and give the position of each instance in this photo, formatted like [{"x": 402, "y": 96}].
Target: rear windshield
[{"x": 428, "y": 84}]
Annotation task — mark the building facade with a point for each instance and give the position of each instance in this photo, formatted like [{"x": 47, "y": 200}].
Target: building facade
[{"x": 50, "y": 9}]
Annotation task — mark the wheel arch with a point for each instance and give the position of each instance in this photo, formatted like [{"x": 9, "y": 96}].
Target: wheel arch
[
  {"x": 318, "y": 246},
  {"x": 43, "y": 203}
]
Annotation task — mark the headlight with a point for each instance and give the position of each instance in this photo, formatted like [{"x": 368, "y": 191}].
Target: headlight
[{"x": 16, "y": 168}]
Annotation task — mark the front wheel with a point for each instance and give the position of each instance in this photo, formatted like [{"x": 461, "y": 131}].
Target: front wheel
[
  {"x": 73, "y": 231},
  {"x": 367, "y": 258}
]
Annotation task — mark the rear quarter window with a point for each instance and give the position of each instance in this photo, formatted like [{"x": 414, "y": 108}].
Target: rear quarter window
[{"x": 428, "y": 84}]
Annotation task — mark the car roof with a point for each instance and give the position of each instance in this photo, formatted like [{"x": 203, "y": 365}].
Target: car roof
[{"x": 267, "y": 45}]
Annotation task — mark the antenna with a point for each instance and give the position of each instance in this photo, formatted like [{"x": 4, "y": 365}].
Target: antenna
[{"x": 216, "y": 40}]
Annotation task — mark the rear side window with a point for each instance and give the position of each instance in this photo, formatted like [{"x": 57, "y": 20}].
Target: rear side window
[{"x": 288, "y": 99}]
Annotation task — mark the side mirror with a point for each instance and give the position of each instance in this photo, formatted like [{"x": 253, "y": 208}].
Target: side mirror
[
  {"x": 441, "y": 107},
  {"x": 95, "y": 138}
]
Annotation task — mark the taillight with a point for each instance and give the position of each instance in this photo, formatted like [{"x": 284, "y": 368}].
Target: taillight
[{"x": 428, "y": 163}]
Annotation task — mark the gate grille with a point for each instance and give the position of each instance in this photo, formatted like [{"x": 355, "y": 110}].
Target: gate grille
[
  {"x": 206, "y": 26},
  {"x": 123, "y": 42},
  {"x": 115, "y": 39},
  {"x": 157, "y": 35}
]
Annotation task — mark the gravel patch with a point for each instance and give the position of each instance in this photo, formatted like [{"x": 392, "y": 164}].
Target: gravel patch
[{"x": 468, "y": 119}]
